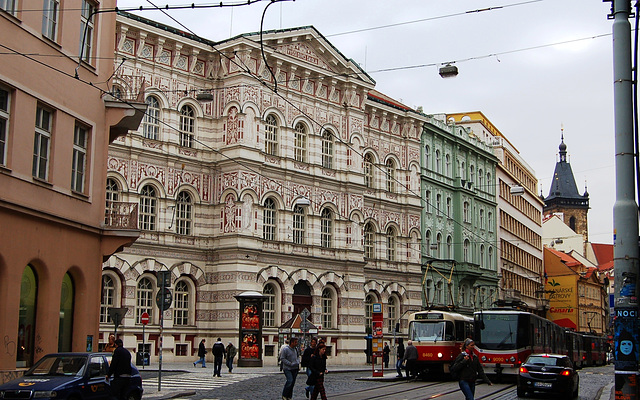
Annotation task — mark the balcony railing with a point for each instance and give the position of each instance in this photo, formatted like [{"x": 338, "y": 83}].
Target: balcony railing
[{"x": 121, "y": 215}]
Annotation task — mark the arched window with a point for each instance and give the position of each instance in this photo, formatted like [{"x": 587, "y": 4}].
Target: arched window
[
  {"x": 112, "y": 197},
  {"x": 187, "y": 126},
  {"x": 27, "y": 318},
  {"x": 427, "y": 157},
  {"x": 299, "y": 225},
  {"x": 392, "y": 313},
  {"x": 269, "y": 220},
  {"x": 465, "y": 212},
  {"x": 438, "y": 162},
  {"x": 391, "y": 176},
  {"x": 107, "y": 299},
  {"x": 65, "y": 326},
  {"x": 327, "y": 149},
  {"x": 144, "y": 298},
  {"x": 572, "y": 223},
  {"x": 269, "y": 305},
  {"x": 369, "y": 241},
  {"x": 472, "y": 174},
  {"x": 439, "y": 204},
  {"x": 181, "y": 304},
  {"x": 490, "y": 260},
  {"x": 368, "y": 312},
  {"x": 490, "y": 221},
  {"x": 439, "y": 245},
  {"x": 447, "y": 164},
  {"x": 480, "y": 184},
  {"x": 183, "y": 213},
  {"x": 326, "y": 228},
  {"x": 427, "y": 242},
  {"x": 300, "y": 142},
  {"x": 463, "y": 171},
  {"x": 368, "y": 170},
  {"x": 481, "y": 261},
  {"x": 482, "y": 219},
  {"x": 327, "y": 309},
  {"x": 449, "y": 207},
  {"x": 490, "y": 184},
  {"x": 427, "y": 199},
  {"x": 147, "y": 209},
  {"x": 391, "y": 244},
  {"x": 151, "y": 124},
  {"x": 271, "y": 135},
  {"x": 466, "y": 250},
  {"x": 449, "y": 254}
]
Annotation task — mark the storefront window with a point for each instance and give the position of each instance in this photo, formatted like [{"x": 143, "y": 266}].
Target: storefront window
[{"x": 27, "y": 318}]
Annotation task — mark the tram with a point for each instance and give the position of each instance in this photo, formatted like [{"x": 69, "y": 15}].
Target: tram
[
  {"x": 438, "y": 337},
  {"x": 506, "y": 337}
]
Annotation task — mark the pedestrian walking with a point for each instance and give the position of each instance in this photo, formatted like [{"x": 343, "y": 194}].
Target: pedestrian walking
[
  {"x": 218, "y": 354},
  {"x": 385, "y": 354},
  {"x": 290, "y": 367},
  {"x": 230, "y": 353},
  {"x": 111, "y": 346},
  {"x": 410, "y": 358},
  {"x": 120, "y": 368},
  {"x": 318, "y": 366},
  {"x": 399, "y": 357},
  {"x": 202, "y": 352},
  {"x": 306, "y": 360},
  {"x": 467, "y": 368}
]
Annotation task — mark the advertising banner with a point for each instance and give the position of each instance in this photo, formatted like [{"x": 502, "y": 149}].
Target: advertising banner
[{"x": 563, "y": 301}]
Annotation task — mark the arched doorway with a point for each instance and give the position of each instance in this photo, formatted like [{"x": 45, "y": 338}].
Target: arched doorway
[{"x": 301, "y": 297}]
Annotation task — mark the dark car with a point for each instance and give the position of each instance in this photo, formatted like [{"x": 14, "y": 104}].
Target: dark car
[
  {"x": 548, "y": 373},
  {"x": 75, "y": 376}
]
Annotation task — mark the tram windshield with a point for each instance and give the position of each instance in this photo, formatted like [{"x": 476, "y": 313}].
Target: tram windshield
[
  {"x": 497, "y": 332},
  {"x": 434, "y": 331}
]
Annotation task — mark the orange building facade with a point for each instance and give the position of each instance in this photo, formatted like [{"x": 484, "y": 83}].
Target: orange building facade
[{"x": 56, "y": 122}]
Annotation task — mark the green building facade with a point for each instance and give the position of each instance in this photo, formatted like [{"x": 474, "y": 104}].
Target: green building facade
[{"x": 459, "y": 241}]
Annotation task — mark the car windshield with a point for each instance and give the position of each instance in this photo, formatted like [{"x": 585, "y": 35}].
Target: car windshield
[
  {"x": 550, "y": 361},
  {"x": 59, "y": 365}
]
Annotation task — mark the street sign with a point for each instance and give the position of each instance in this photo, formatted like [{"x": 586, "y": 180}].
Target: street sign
[
  {"x": 164, "y": 305},
  {"x": 144, "y": 318}
]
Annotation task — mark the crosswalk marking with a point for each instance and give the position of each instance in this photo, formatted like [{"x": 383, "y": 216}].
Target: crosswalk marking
[{"x": 189, "y": 381}]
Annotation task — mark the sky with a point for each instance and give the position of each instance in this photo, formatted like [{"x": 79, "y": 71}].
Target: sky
[{"x": 535, "y": 68}]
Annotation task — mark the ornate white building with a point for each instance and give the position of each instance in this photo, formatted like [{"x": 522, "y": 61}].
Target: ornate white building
[{"x": 306, "y": 189}]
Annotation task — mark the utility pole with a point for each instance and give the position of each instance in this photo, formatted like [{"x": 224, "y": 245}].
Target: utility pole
[{"x": 625, "y": 210}]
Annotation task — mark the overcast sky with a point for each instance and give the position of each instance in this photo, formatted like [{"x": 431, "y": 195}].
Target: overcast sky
[{"x": 509, "y": 68}]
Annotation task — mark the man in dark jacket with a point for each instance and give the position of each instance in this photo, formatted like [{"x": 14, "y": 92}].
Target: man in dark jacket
[
  {"x": 467, "y": 367},
  {"x": 218, "y": 353},
  {"x": 202, "y": 352},
  {"x": 306, "y": 360},
  {"x": 120, "y": 368},
  {"x": 410, "y": 358}
]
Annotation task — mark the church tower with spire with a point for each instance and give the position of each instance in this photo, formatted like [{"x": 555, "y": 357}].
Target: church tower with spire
[{"x": 564, "y": 200}]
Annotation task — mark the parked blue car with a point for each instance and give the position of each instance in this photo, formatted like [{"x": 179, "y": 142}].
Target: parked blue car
[{"x": 68, "y": 376}]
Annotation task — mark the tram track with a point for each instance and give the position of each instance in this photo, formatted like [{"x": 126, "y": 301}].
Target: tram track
[{"x": 400, "y": 390}]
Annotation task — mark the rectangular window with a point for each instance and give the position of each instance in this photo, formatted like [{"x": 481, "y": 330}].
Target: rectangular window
[
  {"x": 9, "y": 6},
  {"x": 4, "y": 124},
  {"x": 50, "y": 18},
  {"x": 79, "y": 162},
  {"x": 42, "y": 143},
  {"x": 181, "y": 349},
  {"x": 86, "y": 29},
  {"x": 326, "y": 313}
]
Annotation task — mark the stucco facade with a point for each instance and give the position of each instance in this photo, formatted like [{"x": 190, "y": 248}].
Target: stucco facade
[
  {"x": 54, "y": 131},
  {"x": 306, "y": 190},
  {"x": 459, "y": 214}
]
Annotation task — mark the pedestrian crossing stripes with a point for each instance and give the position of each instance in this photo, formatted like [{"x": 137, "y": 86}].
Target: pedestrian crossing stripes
[{"x": 188, "y": 381}]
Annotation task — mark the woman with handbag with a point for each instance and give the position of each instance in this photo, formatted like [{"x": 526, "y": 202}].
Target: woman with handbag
[{"x": 318, "y": 366}]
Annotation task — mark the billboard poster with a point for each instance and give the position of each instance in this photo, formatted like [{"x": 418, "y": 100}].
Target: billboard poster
[{"x": 563, "y": 301}]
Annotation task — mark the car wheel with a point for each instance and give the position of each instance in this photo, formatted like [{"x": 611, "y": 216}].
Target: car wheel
[{"x": 521, "y": 392}]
